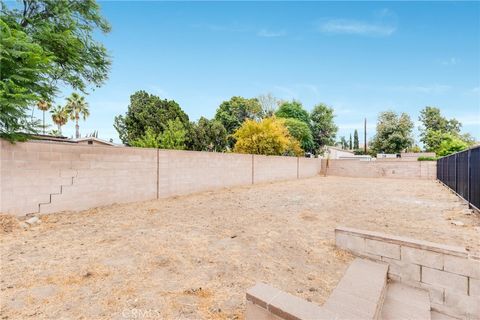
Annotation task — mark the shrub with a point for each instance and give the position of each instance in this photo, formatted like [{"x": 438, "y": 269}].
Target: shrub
[
  {"x": 427, "y": 158},
  {"x": 267, "y": 137}
]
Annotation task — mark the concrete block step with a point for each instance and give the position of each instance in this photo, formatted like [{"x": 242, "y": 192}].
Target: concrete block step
[
  {"x": 440, "y": 316},
  {"x": 403, "y": 302},
  {"x": 265, "y": 302},
  {"x": 361, "y": 291}
]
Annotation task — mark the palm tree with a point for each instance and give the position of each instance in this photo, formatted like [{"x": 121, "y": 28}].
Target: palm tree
[
  {"x": 44, "y": 106},
  {"x": 77, "y": 106},
  {"x": 60, "y": 117}
]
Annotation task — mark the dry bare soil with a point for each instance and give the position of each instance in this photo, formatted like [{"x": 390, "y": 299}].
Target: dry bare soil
[{"x": 195, "y": 256}]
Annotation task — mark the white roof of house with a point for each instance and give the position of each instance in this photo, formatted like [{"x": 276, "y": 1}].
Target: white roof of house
[
  {"x": 94, "y": 139},
  {"x": 339, "y": 149}
]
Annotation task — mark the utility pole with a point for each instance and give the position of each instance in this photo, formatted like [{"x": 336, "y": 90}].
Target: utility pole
[{"x": 365, "y": 136}]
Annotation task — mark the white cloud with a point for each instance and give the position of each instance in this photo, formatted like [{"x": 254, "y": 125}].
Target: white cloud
[
  {"x": 449, "y": 62},
  {"x": 385, "y": 12},
  {"x": 271, "y": 34},
  {"x": 476, "y": 90},
  {"x": 343, "y": 26}
]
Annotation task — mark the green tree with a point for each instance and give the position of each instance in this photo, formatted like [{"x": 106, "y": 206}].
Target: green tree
[
  {"x": 324, "y": 129},
  {"x": 267, "y": 137},
  {"x": 173, "y": 135},
  {"x": 394, "y": 133},
  {"x": 234, "y": 112},
  {"x": 300, "y": 131},
  {"x": 149, "y": 140},
  {"x": 451, "y": 143},
  {"x": 293, "y": 110},
  {"x": 46, "y": 44},
  {"x": 77, "y": 107},
  {"x": 350, "y": 144},
  {"x": 207, "y": 135},
  {"x": 356, "y": 144},
  {"x": 59, "y": 117},
  {"x": 23, "y": 81},
  {"x": 343, "y": 143},
  {"x": 147, "y": 111},
  {"x": 64, "y": 29},
  {"x": 434, "y": 126}
]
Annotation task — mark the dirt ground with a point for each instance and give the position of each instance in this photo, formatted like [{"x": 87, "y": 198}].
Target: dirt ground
[{"x": 195, "y": 256}]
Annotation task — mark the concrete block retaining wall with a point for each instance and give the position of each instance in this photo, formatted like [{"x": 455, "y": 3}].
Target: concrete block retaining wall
[
  {"x": 184, "y": 172},
  {"x": 50, "y": 177},
  {"x": 380, "y": 169},
  {"x": 72, "y": 177},
  {"x": 450, "y": 274}
]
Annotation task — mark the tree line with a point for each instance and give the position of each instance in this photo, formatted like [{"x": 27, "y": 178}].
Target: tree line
[
  {"x": 46, "y": 45},
  {"x": 394, "y": 134},
  {"x": 262, "y": 125}
]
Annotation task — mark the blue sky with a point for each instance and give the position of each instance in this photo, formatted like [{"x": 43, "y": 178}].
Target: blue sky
[{"x": 359, "y": 57}]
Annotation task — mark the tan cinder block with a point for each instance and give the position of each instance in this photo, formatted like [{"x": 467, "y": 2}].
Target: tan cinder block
[
  {"x": 404, "y": 241},
  {"x": 463, "y": 305},
  {"x": 350, "y": 243},
  {"x": 376, "y": 169},
  {"x": 474, "y": 287},
  {"x": 447, "y": 280},
  {"x": 437, "y": 294},
  {"x": 422, "y": 257},
  {"x": 308, "y": 167},
  {"x": 383, "y": 249},
  {"x": 255, "y": 312},
  {"x": 274, "y": 168},
  {"x": 402, "y": 269},
  {"x": 467, "y": 267}
]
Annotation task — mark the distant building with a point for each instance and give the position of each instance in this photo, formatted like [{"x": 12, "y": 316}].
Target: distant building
[
  {"x": 94, "y": 141},
  {"x": 404, "y": 156},
  {"x": 388, "y": 155},
  {"x": 87, "y": 140},
  {"x": 336, "y": 153}
]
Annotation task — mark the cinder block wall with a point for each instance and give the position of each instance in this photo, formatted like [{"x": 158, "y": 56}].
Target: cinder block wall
[
  {"x": 184, "y": 172},
  {"x": 450, "y": 274},
  {"x": 308, "y": 167},
  {"x": 380, "y": 169},
  {"x": 50, "y": 177},
  {"x": 274, "y": 168},
  {"x": 34, "y": 172}
]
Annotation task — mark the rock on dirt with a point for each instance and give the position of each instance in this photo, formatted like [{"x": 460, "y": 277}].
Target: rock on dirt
[{"x": 32, "y": 220}]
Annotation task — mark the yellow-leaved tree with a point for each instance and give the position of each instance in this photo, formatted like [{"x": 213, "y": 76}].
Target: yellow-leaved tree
[{"x": 267, "y": 137}]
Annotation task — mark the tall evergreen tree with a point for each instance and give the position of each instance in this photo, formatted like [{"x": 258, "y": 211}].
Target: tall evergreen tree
[
  {"x": 356, "y": 145},
  {"x": 350, "y": 145}
]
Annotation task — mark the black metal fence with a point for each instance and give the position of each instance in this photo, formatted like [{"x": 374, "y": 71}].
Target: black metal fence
[{"x": 461, "y": 172}]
